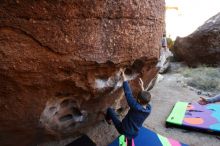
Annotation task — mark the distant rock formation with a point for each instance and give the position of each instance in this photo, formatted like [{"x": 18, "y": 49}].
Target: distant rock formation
[
  {"x": 60, "y": 61},
  {"x": 202, "y": 46}
]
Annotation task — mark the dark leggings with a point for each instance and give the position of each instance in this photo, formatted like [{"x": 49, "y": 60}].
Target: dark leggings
[{"x": 111, "y": 114}]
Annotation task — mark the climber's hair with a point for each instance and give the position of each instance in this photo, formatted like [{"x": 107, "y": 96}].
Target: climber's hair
[{"x": 144, "y": 97}]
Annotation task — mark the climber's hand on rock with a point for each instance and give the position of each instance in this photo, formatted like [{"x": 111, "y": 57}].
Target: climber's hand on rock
[
  {"x": 141, "y": 83},
  {"x": 123, "y": 74}
]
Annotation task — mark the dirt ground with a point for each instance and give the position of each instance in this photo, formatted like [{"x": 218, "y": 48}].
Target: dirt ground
[{"x": 164, "y": 95}]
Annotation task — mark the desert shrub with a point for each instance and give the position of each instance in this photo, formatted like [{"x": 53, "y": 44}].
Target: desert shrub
[
  {"x": 170, "y": 43},
  {"x": 203, "y": 78}
]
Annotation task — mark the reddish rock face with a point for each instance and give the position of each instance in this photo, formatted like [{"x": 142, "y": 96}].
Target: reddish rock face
[
  {"x": 202, "y": 46},
  {"x": 60, "y": 60}
]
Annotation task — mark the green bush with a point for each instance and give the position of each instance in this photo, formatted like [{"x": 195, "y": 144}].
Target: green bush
[
  {"x": 203, "y": 78},
  {"x": 170, "y": 43}
]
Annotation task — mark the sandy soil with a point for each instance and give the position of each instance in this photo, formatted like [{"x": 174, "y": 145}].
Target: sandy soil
[{"x": 164, "y": 95}]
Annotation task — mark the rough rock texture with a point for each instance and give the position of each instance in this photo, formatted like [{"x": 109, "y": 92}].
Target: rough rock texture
[
  {"x": 59, "y": 62},
  {"x": 202, "y": 46}
]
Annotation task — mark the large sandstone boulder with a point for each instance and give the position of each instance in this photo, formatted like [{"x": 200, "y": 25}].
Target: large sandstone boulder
[
  {"x": 60, "y": 61},
  {"x": 202, "y": 46}
]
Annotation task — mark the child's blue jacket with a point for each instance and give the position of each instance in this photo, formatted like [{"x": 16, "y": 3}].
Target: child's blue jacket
[{"x": 136, "y": 115}]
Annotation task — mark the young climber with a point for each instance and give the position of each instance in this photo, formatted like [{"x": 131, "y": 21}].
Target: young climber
[
  {"x": 138, "y": 112},
  {"x": 164, "y": 41},
  {"x": 204, "y": 101}
]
